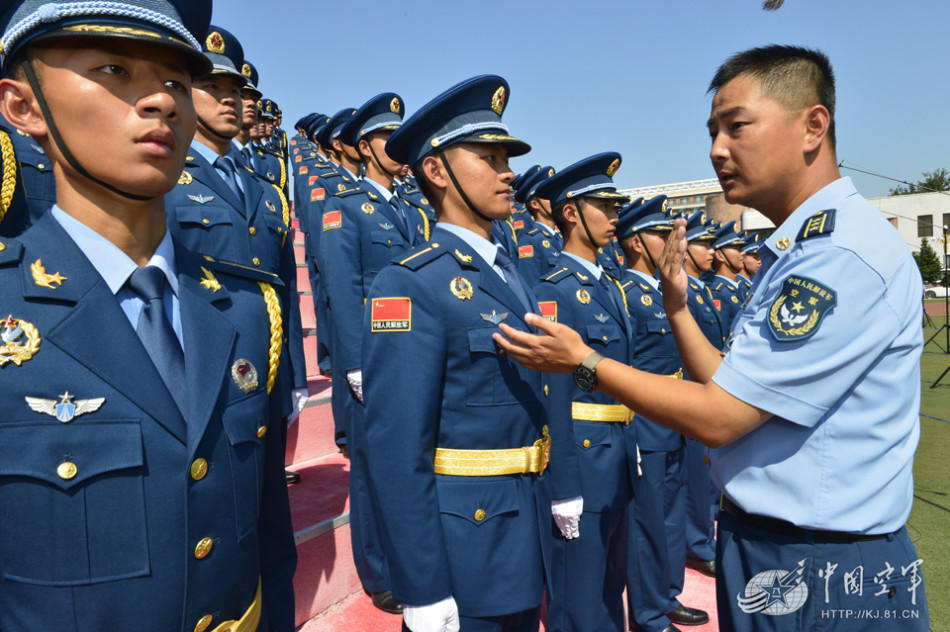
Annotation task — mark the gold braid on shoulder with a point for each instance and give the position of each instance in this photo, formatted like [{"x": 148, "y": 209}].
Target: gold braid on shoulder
[
  {"x": 623, "y": 295},
  {"x": 425, "y": 222},
  {"x": 276, "y": 332},
  {"x": 285, "y": 211},
  {"x": 8, "y": 181}
]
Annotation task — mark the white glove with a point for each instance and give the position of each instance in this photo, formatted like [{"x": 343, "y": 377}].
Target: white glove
[
  {"x": 355, "y": 379},
  {"x": 298, "y": 398},
  {"x": 567, "y": 516},
  {"x": 441, "y": 616},
  {"x": 639, "y": 461}
]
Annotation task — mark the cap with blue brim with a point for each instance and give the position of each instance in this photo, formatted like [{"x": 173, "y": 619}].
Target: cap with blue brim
[
  {"x": 529, "y": 186},
  {"x": 590, "y": 177},
  {"x": 650, "y": 215},
  {"x": 383, "y": 112},
  {"x": 700, "y": 228},
  {"x": 729, "y": 235}
]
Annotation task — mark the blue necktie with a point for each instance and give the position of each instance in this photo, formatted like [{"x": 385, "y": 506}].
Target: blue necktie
[
  {"x": 400, "y": 212},
  {"x": 610, "y": 287},
  {"x": 248, "y": 158},
  {"x": 156, "y": 333},
  {"x": 513, "y": 279},
  {"x": 229, "y": 175}
]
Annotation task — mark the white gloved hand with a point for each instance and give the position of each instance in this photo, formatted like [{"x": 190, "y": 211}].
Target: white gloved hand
[
  {"x": 441, "y": 616},
  {"x": 298, "y": 398},
  {"x": 355, "y": 378},
  {"x": 567, "y": 516},
  {"x": 639, "y": 461}
]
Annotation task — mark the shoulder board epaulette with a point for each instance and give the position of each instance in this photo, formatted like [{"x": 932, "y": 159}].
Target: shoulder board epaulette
[
  {"x": 821, "y": 223},
  {"x": 241, "y": 270},
  {"x": 331, "y": 172},
  {"x": 189, "y": 158},
  {"x": 719, "y": 287},
  {"x": 557, "y": 275},
  {"x": 11, "y": 251},
  {"x": 627, "y": 284},
  {"x": 532, "y": 231},
  {"x": 419, "y": 258},
  {"x": 347, "y": 192},
  {"x": 372, "y": 195}
]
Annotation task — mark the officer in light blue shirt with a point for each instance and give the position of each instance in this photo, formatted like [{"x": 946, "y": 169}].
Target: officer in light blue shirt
[{"x": 812, "y": 408}]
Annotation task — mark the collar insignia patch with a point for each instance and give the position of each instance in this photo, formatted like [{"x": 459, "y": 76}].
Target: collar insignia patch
[
  {"x": 209, "y": 282},
  {"x": 42, "y": 279}
]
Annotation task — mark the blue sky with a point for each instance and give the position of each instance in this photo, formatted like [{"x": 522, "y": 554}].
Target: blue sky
[{"x": 614, "y": 75}]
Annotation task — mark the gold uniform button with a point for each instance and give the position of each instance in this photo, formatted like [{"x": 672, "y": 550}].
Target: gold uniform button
[
  {"x": 605, "y": 338},
  {"x": 256, "y": 261},
  {"x": 261, "y": 432},
  {"x": 586, "y": 443},
  {"x": 203, "y": 623},
  {"x": 252, "y": 230},
  {"x": 203, "y": 547},
  {"x": 41, "y": 166},
  {"x": 205, "y": 221},
  {"x": 67, "y": 470},
  {"x": 479, "y": 515},
  {"x": 545, "y": 390},
  {"x": 3, "y": 246},
  {"x": 706, "y": 460},
  {"x": 199, "y": 468}
]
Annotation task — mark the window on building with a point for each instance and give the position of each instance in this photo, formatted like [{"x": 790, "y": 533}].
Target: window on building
[
  {"x": 925, "y": 225},
  {"x": 946, "y": 220}
]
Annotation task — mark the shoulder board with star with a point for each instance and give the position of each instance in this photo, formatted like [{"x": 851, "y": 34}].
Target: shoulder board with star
[
  {"x": 11, "y": 251},
  {"x": 558, "y": 275},
  {"x": 422, "y": 256},
  {"x": 821, "y": 223},
  {"x": 241, "y": 270}
]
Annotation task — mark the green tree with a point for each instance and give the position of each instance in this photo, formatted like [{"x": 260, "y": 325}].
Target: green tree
[
  {"x": 938, "y": 180},
  {"x": 929, "y": 263}
]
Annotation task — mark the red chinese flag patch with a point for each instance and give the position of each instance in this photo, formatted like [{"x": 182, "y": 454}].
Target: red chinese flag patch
[
  {"x": 318, "y": 194},
  {"x": 548, "y": 310},
  {"x": 718, "y": 304},
  {"x": 525, "y": 252},
  {"x": 519, "y": 224},
  {"x": 391, "y": 314},
  {"x": 303, "y": 169},
  {"x": 298, "y": 159},
  {"x": 333, "y": 219},
  {"x": 312, "y": 180}
]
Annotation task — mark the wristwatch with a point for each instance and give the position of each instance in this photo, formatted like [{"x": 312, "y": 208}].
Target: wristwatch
[{"x": 585, "y": 375}]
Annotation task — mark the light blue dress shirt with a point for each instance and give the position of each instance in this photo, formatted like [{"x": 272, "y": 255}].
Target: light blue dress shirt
[
  {"x": 483, "y": 247},
  {"x": 116, "y": 267},
  {"x": 839, "y": 451},
  {"x": 593, "y": 268},
  {"x": 210, "y": 155}
]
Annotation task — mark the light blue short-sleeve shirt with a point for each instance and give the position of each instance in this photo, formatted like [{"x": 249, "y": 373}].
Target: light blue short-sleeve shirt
[{"x": 844, "y": 389}]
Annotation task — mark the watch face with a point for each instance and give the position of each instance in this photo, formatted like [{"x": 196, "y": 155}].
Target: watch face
[{"x": 585, "y": 379}]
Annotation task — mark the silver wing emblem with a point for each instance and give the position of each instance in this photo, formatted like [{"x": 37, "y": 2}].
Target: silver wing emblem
[
  {"x": 201, "y": 199},
  {"x": 67, "y": 408},
  {"x": 791, "y": 319}
]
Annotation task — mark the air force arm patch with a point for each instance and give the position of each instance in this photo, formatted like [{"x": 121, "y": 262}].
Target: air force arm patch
[{"x": 797, "y": 312}]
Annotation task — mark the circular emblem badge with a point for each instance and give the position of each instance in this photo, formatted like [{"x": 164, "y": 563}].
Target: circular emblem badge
[
  {"x": 246, "y": 70},
  {"x": 545, "y": 243},
  {"x": 341, "y": 187},
  {"x": 424, "y": 201},
  {"x": 461, "y": 288},
  {"x": 498, "y": 100},
  {"x": 612, "y": 169},
  {"x": 244, "y": 375},
  {"x": 550, "y": 172},
  {"x": 647, "y": 300},
  {"x": 215, "y": 43},
  {"x": 19, "y": 341},
  {"x": 735, "y": 299},
  {"x": 367, "y": 208},
  {"x": 583, "y": 296},
  {"x": 185, "y": 178},
  {"x": 394, "y": 106}
]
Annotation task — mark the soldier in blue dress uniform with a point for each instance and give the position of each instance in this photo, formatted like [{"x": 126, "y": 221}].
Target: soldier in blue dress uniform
[
  {"x": 593, "y": 470},
  {"x": 224, "y": 210},
  {"x": 365, "y": 227},
  {"x": 458, "y": 446},
  {"x": 750, "y": 265},
  {"x": 137, "y": 375},
  {"x": 727, "y": 264},
  {"x": 540, "y": 242},
  {"x": 813, "y": 409},
  {"x": 658, "y": 492},
  {"x": 269, "y": 162}
]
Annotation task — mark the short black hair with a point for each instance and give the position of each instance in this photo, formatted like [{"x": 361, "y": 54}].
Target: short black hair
[
  {"x": 795, "y": 76},
  {"x": 557, "y": 214}
]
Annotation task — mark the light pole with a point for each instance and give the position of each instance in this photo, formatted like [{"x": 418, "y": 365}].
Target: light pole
[{"x": 946, "y": 286}]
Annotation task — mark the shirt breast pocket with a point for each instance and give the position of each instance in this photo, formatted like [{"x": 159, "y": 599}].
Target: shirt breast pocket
[
  {"x": 493, "y": 379},
  {"x": 207, "y": 229},
  {"x": 245, "y": 423},
  {"x": 79, "y": 495}
]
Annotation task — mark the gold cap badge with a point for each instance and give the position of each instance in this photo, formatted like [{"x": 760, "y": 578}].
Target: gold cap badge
[
  {"x": 246, "y": 70},
  {"x": 215, "y": 43},
  {"x": 498, "y": 100},
  {"x": 394, "y": 105},
  {"x": 612, "y": 169}
]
